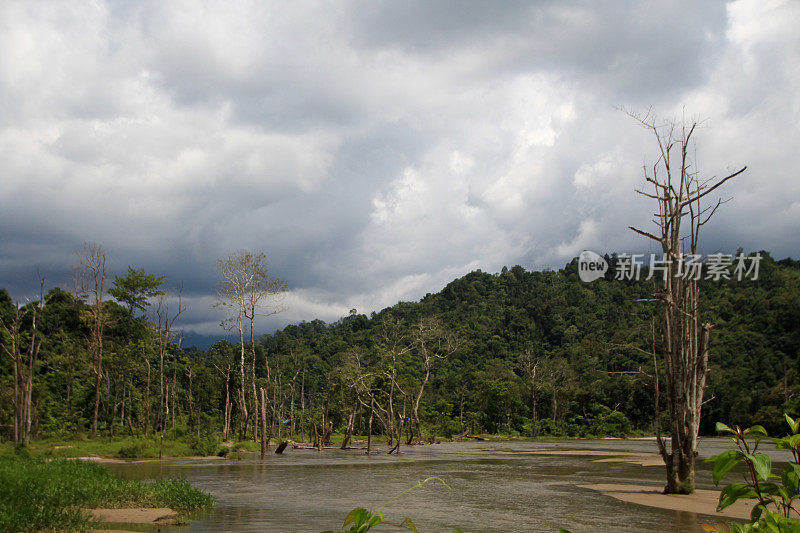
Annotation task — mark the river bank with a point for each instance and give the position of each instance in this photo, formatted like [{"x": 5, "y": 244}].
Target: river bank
[
  {"x": 74, "y": 495},
  {"x": 130, "y": 448}
]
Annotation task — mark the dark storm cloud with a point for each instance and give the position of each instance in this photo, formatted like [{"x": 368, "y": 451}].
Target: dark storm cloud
[
  {"x": 632, "y": 49},
  {"x": 376, "y": 150}
]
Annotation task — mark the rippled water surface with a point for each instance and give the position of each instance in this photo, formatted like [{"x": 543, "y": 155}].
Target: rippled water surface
[{"x": 493, "y": 488}]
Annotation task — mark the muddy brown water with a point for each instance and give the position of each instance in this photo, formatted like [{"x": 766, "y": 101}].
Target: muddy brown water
[{"x": 493, "y": 488}]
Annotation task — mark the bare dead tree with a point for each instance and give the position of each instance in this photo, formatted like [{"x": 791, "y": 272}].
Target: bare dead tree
[
  {"x": 23, "y": 350},
  {"x": 680, "y": 193},
  {"x": 90, "y": 283},
  {"x": 223, "y": 366},
  {"x": 244, "y": 289},
  {"x": 165, "y": 321},
  {"x": 344, "y": 377},
  {"x": 529, "y": 364},
  {"x": 394, "y": 347},
  {"x": 432, "y": 342},
  {"x": 263, "y": 287},
  {"x": 366, "y": 388}
]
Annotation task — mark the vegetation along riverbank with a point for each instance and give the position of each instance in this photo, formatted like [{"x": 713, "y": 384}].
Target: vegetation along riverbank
[
  {"x": 73, "y": 495},
  {"x": 520, "y": 353}
]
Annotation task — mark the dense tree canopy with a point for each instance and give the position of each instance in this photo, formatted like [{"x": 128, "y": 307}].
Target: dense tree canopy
[{"x": 533, "y": 353}]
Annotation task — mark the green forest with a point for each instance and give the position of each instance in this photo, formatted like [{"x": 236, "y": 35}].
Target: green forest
[{"x": 515, "y": 353}]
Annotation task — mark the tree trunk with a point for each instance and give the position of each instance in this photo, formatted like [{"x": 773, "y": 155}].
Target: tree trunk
[
  {"x": 264, "y": 438},
  {"x": 303, "y": 402},
  {"x": 461, "y": 412},
  {"x": 226, "y": 424},
  {"x": 242, "y": 396},
  {"x": 685, "y": 339},
  {"x": 99, "y": 374},
  {"x": 349, "y": 430},
  {"x": 147, "y": 402},
  {"x": 253, "y": 379},
  {"x": 417, "y": 400},
  {"x": 161, "y": 390},
  {"x": 369, "y": 427}
]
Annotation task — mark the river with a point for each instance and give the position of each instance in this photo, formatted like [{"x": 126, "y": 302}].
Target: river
[{"x": 492, "y": 488}]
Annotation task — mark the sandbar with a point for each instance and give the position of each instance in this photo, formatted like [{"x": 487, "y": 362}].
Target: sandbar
[
  {"x": 608, "y": 456},
  {"x": 700, "y": 502},
  {"x": 135, "y": 515}
]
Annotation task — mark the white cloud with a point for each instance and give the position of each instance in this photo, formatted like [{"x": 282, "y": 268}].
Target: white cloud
[{"x": 376, "y": 152}]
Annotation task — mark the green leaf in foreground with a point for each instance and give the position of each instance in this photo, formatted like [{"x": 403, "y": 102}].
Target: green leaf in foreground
[
  {"x": 763, "y": 465},
  {"x": 356, "y": 517},
  {"x": 794, "y": 425},
  {"x": 724, "y": 462},
  {"x": 757, "y": 431},
  {"x": 723, "y": 428},
  {"x": 733, "y": 492}
]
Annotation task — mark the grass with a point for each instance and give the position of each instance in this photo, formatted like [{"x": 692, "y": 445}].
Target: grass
[
  {"x": 40, "y": 495},
  {"x": 119, "y": 447},
  {"x": 127, "y": 447},
  {"x": 144, "y": 448}
]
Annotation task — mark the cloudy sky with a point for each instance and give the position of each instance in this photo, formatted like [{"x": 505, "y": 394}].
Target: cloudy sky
[{"x": 376, "y": 150}]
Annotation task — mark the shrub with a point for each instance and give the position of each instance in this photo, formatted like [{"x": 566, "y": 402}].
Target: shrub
[
  {"x": 775, "y": 502},
  {"x": 206, "y": 445},
  {"x": 131, "y": 450},
  {"x": 611, "y": 424}
]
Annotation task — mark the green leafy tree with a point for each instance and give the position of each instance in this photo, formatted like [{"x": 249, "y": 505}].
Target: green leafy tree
[{"x": 135, "y": 288}]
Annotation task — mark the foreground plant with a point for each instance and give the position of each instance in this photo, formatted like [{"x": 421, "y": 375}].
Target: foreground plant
[
  {"x": 775, "y": 494},
  {"x": 361, "y": 520}
]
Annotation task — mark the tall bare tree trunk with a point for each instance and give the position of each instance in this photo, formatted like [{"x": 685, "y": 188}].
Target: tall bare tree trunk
[
  {"x": 685, "y": 338},
  {"x": 17, "y": 397},
  {"x": 348, "y": 432},
  {"x": 226, "y": 424},
  {"x": 264, "y": 438},
  {"x": 165, "y": 321},
  {"x": 99, "y": 375},
  {"x": 245, "y": 284},
  {"x": 24, "y": 361},
  {"x": 147, "y": 413},
  {"x": 303, "y": 401},
  {"x": 251, "y": 318},
  {"x": 90, "y": 281},
  {"x": 242, "y": 384},
  {"x": 369, "y": 427}
]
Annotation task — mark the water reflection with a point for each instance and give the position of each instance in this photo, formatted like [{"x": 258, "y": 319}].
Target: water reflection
[{"x": 493, "y": 488}]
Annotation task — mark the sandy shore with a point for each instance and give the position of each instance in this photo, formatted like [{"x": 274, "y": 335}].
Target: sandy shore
[
  {"x": 139, "y": 516},
  {"x": 634, "y": 458},
  {"x": 701, "y": 502}
]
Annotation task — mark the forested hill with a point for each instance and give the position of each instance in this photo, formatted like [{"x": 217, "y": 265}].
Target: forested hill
[
  {"x": 588, "y": 344},
  {"x": 518, "y": 352}
]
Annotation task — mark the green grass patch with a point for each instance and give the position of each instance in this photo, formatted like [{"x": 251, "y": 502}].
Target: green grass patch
[
  {"x": 119, "y": 447},
  {"x": 248, "y": 446},
  {"x": 49, "y": 495}
]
